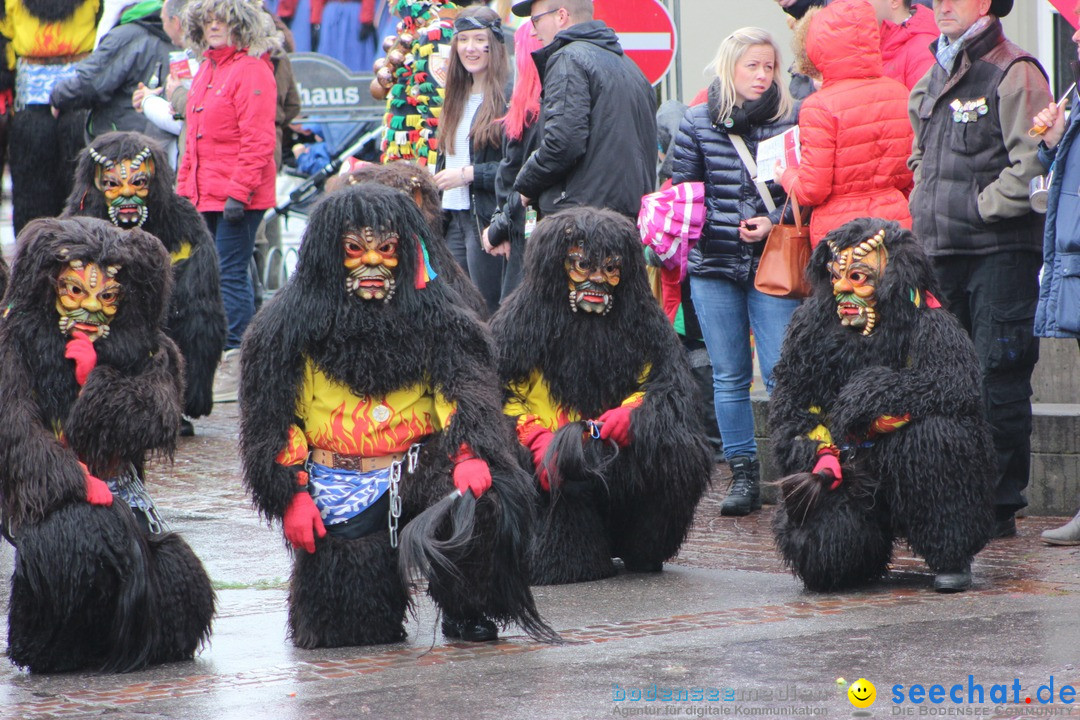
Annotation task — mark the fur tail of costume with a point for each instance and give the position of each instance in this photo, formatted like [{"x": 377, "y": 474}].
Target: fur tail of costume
[
  {"x": 80, "y": 596},
  {"x": 832, "y": 539},
  {"x": 471, "y": 552},
  {"x": 348, "y": 592}
]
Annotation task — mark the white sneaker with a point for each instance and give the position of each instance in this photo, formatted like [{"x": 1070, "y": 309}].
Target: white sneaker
[{"x": 227, "y": 377}]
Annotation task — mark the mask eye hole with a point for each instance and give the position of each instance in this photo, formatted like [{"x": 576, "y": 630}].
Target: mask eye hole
[
  {"x": 353, "y": 248},
  {"x": 110, "y": 295}
]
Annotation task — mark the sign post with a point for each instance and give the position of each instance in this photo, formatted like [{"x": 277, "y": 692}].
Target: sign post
[{"x": 646, "y": 32}]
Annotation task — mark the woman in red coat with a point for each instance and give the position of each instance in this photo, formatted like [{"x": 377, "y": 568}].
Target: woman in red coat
[
  {"x": 228, "y": 166},
  {"x": 854, "y": 132}
]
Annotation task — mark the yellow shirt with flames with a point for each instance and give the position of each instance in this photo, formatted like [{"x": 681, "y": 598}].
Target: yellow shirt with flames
[
  {"x": 31, "y": 37},
  {"x": 340, "y": 421},
  {"x": 532, "y": 404}
]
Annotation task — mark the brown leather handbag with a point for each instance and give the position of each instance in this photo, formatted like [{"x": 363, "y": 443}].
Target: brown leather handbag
[{"x": 782, "y": 268}]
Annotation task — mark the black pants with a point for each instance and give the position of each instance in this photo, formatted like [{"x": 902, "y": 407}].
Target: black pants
[
  {"x": 486, "y": 271},
  {"x": 994, "y": 298},
  {"x": 42, "y": 157}
]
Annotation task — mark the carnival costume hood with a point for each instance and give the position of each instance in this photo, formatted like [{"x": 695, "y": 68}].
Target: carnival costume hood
[{"x": 417, "y": 183}]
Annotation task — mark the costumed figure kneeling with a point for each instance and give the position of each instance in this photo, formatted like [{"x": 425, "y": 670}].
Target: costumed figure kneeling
[
  {"x": 91, "y": 386},
  {"x": 369, "y": 406},
  {"x": 603, "y": 400},
  {"x": 125, "y": 178},
  {"x": 877, "y": 419}
]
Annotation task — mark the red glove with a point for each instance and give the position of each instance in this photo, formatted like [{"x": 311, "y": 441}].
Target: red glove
[
  {"x": 81, "y": 350},
  {"x": 97, "y": 491},
  {"x": 471, "y": 473},
  {"x": 828, "y": 464},
  {"x": 303, "y": 523},
  {"x": 538, "y": 442},
  {"x": 616, "y": 424}
]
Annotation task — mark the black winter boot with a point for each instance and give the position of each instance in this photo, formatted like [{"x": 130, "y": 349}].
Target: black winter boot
[{"x": 744, "y": 493}]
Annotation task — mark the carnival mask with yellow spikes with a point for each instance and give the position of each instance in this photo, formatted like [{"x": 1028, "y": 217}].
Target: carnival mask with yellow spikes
[
  {"x": 87, "y": 298},
  {"x": 371, "y": 257},
  {"x": 856, "y": 272}
]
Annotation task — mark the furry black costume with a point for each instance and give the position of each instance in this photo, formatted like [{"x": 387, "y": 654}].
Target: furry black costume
[
  {"x": 360, "y": 381},
  {"x": 562, "y": 365},
  {"x": 3, "y": 276},
  {"x": 196, "y": 316},
  {"x": 92, "y": 590},
  {"x": 898, "y": 405},
  {"x": 418, "y": 183}
]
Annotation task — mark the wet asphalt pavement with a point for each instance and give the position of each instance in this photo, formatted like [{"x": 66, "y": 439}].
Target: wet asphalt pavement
[{"x": 724, "y": 630}]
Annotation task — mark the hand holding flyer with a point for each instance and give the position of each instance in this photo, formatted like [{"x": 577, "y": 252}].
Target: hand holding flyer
[{"x": 780, "y": 151}]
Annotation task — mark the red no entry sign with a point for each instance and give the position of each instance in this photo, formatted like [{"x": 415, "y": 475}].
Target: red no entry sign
[{"x": 646, "y": 32}]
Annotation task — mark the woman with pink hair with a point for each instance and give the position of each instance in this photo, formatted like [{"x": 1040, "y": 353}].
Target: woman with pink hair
[{"x": 506, "y": 235}]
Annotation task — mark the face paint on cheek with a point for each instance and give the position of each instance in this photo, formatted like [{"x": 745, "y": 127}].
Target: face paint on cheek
[
  {"x": 87, "y": 298},
  {"x": 371, "y": 259},
  {"x": 592, "y": 286}
]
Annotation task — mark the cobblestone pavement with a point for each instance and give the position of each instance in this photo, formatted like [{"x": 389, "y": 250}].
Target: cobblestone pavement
[{"x": 724, "y": 615}]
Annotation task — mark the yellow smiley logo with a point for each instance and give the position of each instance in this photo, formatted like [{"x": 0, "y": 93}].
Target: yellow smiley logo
[{"x": 862, "y": 693}]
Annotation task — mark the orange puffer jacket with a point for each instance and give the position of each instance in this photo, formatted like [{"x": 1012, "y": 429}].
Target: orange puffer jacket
[{"x": 854, "y": 133}]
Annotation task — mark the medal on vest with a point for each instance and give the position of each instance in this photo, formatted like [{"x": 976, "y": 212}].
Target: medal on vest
[{"x": 968, "y": 112}]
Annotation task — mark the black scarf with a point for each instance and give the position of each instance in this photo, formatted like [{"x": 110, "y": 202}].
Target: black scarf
[{"x": 752, "y": 114}]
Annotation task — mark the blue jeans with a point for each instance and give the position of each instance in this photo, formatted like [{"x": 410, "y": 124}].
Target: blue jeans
[
  {"x": 727, "y": 310},
  {"x": 235, "y": 246}
]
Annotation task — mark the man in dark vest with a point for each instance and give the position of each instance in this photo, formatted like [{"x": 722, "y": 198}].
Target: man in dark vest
[{"x": 972, "y": 161}]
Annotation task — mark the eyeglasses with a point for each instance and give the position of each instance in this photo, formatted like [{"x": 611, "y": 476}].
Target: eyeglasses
[{"x": 534, "y": 18}]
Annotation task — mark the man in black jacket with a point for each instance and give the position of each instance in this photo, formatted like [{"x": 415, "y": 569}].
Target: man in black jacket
[
  {"x": 135, "y": 51},
  {"x": 597, "y": 119}
]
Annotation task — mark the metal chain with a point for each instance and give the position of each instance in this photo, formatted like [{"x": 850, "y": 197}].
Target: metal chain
[
  {"x": 129, "y": 486},
  {"x": 412, "y": 456},
  {"x": 395, "y": 502}
]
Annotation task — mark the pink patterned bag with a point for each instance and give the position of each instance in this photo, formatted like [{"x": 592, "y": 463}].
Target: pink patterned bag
[{"x": 670, "y": 222}]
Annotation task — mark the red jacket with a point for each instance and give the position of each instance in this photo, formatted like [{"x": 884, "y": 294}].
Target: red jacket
[
  {"x": 905, "y": 48},
  {"x": 854, "y": 132},
  {"x": 230, "y": 132}
]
